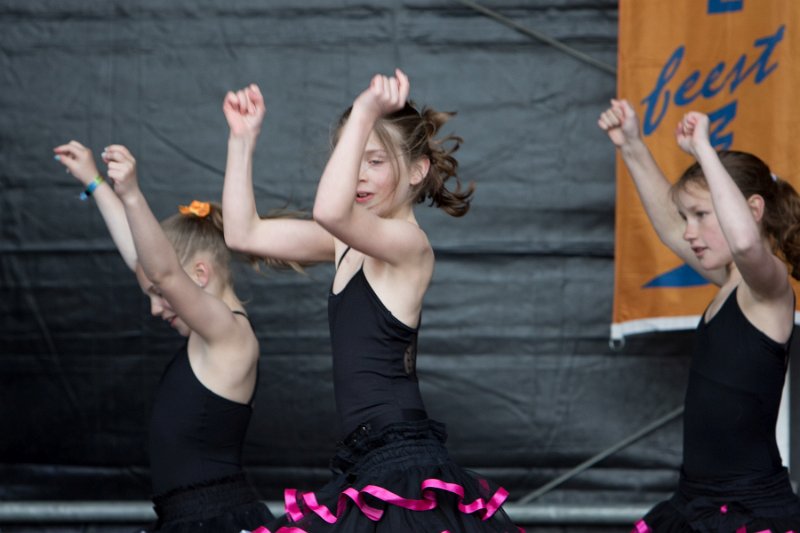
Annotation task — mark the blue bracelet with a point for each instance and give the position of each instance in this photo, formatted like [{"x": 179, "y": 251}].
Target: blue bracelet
[{"x": 91, "y": 187}]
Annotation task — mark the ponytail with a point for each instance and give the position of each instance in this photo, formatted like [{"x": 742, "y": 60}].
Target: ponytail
[
  {"x": 443, "y": 167},
  {"x": 782, "y": 222}
]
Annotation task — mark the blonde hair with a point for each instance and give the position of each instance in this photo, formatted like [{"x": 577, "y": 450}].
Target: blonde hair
[{"x": 191, "y": 233}]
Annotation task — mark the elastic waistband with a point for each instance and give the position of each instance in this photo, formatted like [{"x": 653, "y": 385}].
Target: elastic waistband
[
  {"x": 757, "y": 492},
  {"x": 204, "y": 500},
  {"x": 380, "y": 421},
  {"x": 366, "y": 439}
]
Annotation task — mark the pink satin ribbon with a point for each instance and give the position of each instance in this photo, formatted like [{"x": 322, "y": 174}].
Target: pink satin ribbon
[{"x": 483, "y": 508}]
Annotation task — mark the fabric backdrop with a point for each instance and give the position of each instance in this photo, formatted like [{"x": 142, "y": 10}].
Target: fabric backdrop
[{"x": 514, "y": 352}]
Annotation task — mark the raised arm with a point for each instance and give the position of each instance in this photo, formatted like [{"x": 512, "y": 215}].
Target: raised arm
[
  {"x": 79, "y": 161},
  {"x": 393, "y": 240},
  {"x": 622, "y": 125},
  {"x": 202, "y": 312},
  {"x": 280, "y": 238},
  {"x": 761, "y": 270}
]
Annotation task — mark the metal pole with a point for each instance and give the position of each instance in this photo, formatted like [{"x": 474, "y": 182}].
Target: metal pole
[
  {"x": 54, "y": 512},
  {"x": 624, "y": 443},
  {"x": 577, "y": 54}
]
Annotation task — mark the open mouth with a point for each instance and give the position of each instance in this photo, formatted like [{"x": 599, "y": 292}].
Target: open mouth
[{"x": 362, "y": 197}]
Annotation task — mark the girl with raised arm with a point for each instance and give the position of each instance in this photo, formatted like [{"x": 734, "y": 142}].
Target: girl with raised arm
[
  {"x": 737, "y": 225},
  {"x": 393, "y": 470},
  {"x": 205, "y": 398}
]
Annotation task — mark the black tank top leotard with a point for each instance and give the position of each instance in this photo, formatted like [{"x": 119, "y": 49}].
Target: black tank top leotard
[
  {"x": 195, "y": 435},
  {"x": 374, "y": 355},
  {"x": 732, "y": 399}
]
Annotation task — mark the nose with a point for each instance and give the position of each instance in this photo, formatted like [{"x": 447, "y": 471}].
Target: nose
[
  {"x": 156, "y": 306},
  {"x": 689, "y": 232}
]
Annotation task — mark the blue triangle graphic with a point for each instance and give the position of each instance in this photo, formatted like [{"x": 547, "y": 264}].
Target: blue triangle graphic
[{"x": 683, "y": 276}]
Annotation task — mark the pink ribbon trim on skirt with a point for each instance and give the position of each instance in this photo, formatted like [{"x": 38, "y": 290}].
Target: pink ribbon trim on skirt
[{"x": 485, "y": 509}]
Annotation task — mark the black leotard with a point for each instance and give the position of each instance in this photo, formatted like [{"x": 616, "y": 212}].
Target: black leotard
[
  {"x": 195, "y": 434},
  {"x": 732, "y": 399},
  {"x": 374, "y": 355},
  {"x": 392, "y": 456}
]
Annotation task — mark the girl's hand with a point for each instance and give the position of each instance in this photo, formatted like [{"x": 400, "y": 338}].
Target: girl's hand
[
  {"x": 78, "y": 159},
  {"x": 620, "y": 122},
  {"x": 384, "y": 95},
  {"x": 692, "y": 132},
  {"x": 121, "y": 169},
  {"x": 244, "y": 110}
]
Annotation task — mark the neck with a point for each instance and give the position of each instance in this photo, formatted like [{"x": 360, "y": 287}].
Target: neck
[
  {"x": 228, "y": 296},
  {"x": 733, "y": 273},
  {"x": 404, "y": 212}
]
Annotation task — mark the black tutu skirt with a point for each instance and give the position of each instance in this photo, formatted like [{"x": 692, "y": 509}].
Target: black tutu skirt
[
  {"x": 224, "y": 505},
  {"x": 397, "y": 479},
  {"x": 744, "y": 505}
]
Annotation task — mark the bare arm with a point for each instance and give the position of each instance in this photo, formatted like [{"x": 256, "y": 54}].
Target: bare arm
[
  {"x": 621, "y": 124},
  {"x": 203, "y": 312},
  {"x": 761, "y": 270},
  {"x": 286, "y": 239},
  {"x": 80, "y": 163},
  {"x": 395, "y": 241}
]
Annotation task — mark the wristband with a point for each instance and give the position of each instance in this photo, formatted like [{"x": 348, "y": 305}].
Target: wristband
[{"x": 91, "y": 187}]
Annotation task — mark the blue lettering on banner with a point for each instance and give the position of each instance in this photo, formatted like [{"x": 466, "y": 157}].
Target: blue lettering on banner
[
  {"x": 724, "y": 6},
  {"x": 691, "y": 88},
  {"x": 717, "y": 120}
]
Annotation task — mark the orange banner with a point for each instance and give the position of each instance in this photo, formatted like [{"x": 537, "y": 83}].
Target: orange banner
[{"x": 735, "y": 60}]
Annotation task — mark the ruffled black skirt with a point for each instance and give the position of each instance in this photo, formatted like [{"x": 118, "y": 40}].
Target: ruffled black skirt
[
  {"x": 399, "y": 478},
  {"x": 745, "y": 505},
  {"x": 224, "y": 505}
]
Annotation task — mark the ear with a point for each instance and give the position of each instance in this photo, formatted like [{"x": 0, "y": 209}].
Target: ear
[
  {"x": 756, "y": 203},
  {"x": 201, "y": 273},
  {"x": 420, "y": 170}
]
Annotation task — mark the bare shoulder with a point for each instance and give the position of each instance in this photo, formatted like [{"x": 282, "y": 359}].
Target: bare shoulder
[
  {"x": 228, "y": 367},
  {"x": 244, "y": 337},
  {"x": 402, "y": 286},
  {"x": 419, "y": 258},
  {"x": 237, "y": 348}
]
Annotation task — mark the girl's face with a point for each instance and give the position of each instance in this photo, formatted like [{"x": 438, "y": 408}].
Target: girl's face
[
  {"x": 702, "y": 231},
  {"x": 159, "y": 306},
  {"x": 380, "y": 188}
]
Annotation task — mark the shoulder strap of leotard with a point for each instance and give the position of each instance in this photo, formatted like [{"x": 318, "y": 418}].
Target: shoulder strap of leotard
[
  {"x": 338, "y": 263},
  {"x": 244, "y": 315},
  {"x": 255, "y": 387}
]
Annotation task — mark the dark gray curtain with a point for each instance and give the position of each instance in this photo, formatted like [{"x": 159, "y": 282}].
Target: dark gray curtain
[{"x": 514, "y": 352}]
